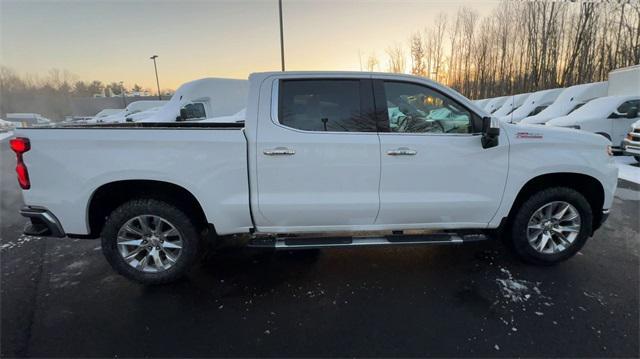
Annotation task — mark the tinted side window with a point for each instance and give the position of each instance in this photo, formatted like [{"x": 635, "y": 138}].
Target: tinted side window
[
  {"x": 414, "y": 108},
  {"x": 195, "y": 111},
  {"x": 323, "y": 105},
  {"x": 537, "y": 110},
  {"x": 576, "y": 107},
  {"x": 629, "y": 108}
]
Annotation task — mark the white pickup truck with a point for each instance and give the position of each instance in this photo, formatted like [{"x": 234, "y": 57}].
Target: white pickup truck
[{"x": 324, "y": 159}]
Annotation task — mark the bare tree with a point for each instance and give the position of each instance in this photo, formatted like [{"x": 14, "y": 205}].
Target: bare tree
[{"x": 396, "y": 59}]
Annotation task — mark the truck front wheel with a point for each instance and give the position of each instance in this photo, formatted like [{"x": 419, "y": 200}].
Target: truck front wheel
[
  {"x": 551, "y": 226},
  {"x": 150, "y": 241}
]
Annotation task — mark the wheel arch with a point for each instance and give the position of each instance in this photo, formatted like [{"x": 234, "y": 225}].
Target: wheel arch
[
  {"x": 590, "y": 187},
  {"x": 110, "y": 196},
  {"x": 604, "y": 134}
]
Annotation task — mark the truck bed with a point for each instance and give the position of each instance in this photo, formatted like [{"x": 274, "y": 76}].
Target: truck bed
[{"x": 68, "y": 164}]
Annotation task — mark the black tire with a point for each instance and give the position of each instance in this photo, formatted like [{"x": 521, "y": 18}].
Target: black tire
[
  {"x": 520, "y": 220},
  {"x": 637, "y": 158},
  {"x": 188, "y": 231}
]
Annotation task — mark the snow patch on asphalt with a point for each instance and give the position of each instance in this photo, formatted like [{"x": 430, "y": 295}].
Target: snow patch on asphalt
[
  {"x": 78, "y": 265},
  {"x": 625, "y": 169},
  {"x": 22, "y": 240},
  {"x": 516, "y": 290}
]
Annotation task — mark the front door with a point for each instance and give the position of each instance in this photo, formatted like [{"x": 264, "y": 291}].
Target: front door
[
  {"x": 435, "y": 173},
  {"x": 318, "y": 160}
]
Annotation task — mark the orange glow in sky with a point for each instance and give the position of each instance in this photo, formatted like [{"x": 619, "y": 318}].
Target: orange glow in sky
[{"x": 113, "y": 40}]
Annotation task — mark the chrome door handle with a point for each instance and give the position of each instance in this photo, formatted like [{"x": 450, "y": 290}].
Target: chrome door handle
[
  {"x": 402, "y": 151},
  {"x": 279, "y": 151}
]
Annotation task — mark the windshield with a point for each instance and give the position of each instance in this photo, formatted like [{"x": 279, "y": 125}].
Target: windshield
[{"x": 600, "y": 107}]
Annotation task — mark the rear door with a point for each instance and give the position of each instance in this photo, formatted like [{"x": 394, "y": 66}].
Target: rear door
[
  {"x": 318, "y": 157},
  {"x": 435, "y": 172}
]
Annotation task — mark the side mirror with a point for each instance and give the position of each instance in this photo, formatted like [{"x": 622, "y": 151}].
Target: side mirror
[
  {"x": 184, "y": 114},
  {"x": 490, "y": 133},
  {"x": 633, "y": 113}
]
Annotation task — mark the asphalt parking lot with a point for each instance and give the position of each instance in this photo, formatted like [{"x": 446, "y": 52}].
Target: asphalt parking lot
[{"x": 60, "y": 298}]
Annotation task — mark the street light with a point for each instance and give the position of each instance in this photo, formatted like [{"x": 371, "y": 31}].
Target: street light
[
  {"x": 154, "y": 57},
  {"x": 281, "y": 35},
  {"x": 124, "y": 99}
]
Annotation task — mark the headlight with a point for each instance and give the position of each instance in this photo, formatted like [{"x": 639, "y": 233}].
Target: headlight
[
  {"x": 609, "y": 150},
  {"x": 574, "y": 127}
]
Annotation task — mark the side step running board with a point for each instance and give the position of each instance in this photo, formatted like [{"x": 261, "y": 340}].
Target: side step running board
[{"x": 334, "y": 242}]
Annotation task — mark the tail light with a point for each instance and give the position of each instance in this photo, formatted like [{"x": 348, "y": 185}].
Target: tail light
[{"x": 20, "y": 145}]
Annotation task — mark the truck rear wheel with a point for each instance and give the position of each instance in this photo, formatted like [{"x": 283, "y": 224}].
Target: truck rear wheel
[
  {"x": 551, "y": 226},
  {"x": 150, "y": 241}
]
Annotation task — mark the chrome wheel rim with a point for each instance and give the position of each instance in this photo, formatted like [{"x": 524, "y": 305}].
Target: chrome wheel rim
[
  {"x": 553, "y": 227},
  {"x": 149, "y": 243}
]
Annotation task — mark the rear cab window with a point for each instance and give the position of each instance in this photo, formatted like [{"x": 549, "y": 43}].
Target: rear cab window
[{"x": 326, "y": 105}]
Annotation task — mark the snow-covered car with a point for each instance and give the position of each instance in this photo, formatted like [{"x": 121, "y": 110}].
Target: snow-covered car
[
  {"x": 27, "y": 119},
  {"x": 133, "y": 109},
  {"x": 631, "y": 144},
  {"x": 203, "y": 99},
  {"x": 568, "y": 101},
  {"x": 481, "y": 103},
  {"x": 6, "y": 125},
  {"x": 533, "y": 105},
  {"x": 316, "y": 155},
  {"x": 495, "y": 103},
  {"x": 511, "y": 104},
  {"x": 108, "y": 112},
  {"x": 609, "y": 116}
]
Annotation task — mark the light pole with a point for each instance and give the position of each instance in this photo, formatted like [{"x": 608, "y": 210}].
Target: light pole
[
  {"x": 281, "y": 35},
  {"x": 154, "y": 57},
  {"x": 124, "y": 99}
]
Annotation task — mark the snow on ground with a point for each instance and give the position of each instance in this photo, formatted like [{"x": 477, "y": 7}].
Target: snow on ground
[
  {"x": 628, "y": 168},
  {"x": 19, "y": 242},
  {"x": 4, "y": 135}
]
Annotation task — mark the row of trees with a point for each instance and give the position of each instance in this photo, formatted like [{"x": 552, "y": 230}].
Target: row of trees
[
  {"x": 521, "y": 47},
  {"x": 49, "y": 95},
  {"x": 61, "y": 81}
]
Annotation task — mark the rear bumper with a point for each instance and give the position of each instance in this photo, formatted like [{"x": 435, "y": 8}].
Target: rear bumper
[{"x": 43, "y": 223}]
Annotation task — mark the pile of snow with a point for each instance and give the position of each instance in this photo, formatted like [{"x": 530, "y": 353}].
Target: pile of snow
[{"x": 516, "y": 290}]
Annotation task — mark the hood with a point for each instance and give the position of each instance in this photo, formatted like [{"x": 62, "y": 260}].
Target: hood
[
  {"x": 563, "y": 121},
  {"x": 512, "y": 103},
  {"x": 519, "y": 133}
]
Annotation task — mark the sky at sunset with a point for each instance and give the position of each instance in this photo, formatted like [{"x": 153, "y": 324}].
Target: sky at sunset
[{"x": 112, "y": 40}]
